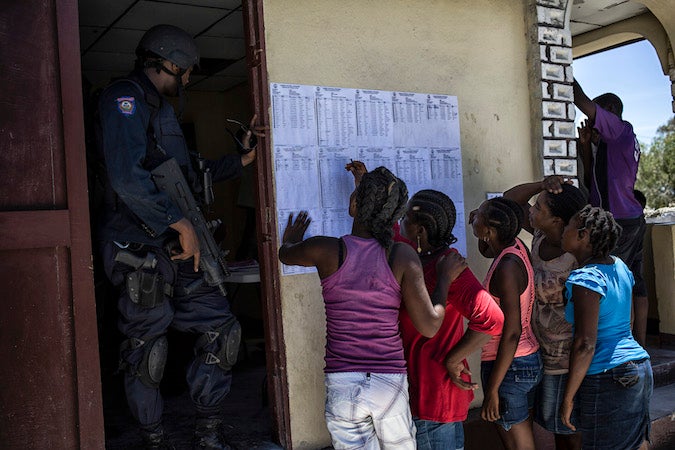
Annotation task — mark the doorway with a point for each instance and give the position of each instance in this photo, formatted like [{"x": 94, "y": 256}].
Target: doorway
[{"x": 229, "y": 84}]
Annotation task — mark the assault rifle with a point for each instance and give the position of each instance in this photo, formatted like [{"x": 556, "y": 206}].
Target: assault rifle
[{"x": 169, "y": 178}]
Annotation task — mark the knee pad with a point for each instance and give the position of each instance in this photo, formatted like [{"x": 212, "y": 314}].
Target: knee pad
[
  {"x": 227, "y": 339},
  {"x": 154, "y": 361},
  {"x": 151, "y": 367}
]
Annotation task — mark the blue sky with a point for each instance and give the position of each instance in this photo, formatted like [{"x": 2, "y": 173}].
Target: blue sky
[{"x": 632, "y": 72}]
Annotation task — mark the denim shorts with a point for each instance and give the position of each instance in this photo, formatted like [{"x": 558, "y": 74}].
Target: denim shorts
[
  {"x": 547, "y": 399},
  {"x": 614, "y": 406},
  {"x": 369, "y": 411},
  {"x": 439, "y": 436},
  {"x": 516, "y": 393}
]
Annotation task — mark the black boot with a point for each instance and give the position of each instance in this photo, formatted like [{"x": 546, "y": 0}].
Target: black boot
[
  {"x": 207, "y": 434},
  {"x": 154, "y": 437}
]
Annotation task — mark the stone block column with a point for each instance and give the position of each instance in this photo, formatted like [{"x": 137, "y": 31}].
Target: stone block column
[{"x": 551, "y": 56}]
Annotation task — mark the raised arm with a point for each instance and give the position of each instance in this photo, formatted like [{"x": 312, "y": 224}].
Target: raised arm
[
  {"x": 582, "y": 101},
  {"x": 358, "y": 169},
  {"x": 249, "y": 141},
  {"x": 585, "y": 150},
  {"x": 586, "y": 313},
  {"x": 522, "y": 194},
  {"x": 320, "y": 251}
]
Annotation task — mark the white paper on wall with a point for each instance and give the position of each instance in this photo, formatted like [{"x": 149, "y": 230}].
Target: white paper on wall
[{"x": 317, "y": 130}]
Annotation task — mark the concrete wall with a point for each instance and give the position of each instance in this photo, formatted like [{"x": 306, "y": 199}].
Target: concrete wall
[
  {"x": 475, "y": 49},
  {"x": 663, "y": 245}
]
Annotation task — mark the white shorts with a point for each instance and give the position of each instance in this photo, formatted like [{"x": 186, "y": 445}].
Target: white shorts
[{"x": 369, "y": 411}]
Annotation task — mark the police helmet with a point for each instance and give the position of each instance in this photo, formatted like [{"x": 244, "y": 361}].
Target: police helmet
[{"x": 170, "y": 43}]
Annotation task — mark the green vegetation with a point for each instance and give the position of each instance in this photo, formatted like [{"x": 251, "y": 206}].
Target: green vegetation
[{"x": 656, "y": 176}]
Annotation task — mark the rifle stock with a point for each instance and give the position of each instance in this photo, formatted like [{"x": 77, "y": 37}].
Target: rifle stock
[{"x": 169, "y": 178}]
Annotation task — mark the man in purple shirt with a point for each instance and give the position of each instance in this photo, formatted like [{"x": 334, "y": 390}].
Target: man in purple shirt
[{"x": 611, "y": 154}]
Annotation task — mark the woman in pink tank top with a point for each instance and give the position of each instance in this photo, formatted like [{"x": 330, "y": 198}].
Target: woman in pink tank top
[
  {"x": 511, "y": 364},
  {"x": 365, "y": 277}
]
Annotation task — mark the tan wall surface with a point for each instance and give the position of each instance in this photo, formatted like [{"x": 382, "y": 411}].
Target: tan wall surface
[
  {"x": 663, "y": 244},
  {"x": 475, "y": 50}
]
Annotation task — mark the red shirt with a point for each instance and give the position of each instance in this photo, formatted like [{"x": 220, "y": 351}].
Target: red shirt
[{"x": 433, "y": 396}]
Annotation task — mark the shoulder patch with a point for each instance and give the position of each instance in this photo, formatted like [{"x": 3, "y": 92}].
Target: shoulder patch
[{"x": 126, "y": 105}]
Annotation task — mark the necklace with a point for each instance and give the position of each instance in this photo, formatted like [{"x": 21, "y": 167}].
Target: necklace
[{"x": 432, "y": 251}]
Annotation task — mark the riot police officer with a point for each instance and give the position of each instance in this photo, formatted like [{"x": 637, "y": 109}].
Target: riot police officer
[{"x": 138, "y": 131}]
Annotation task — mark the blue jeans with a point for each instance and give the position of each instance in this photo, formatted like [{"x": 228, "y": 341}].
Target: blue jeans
[
  {"x": 439, "y": 436},
  {"x": 548, "y": 399},
  {"x": 516, "y": 393},
  {"x": 614, "y": 406}
]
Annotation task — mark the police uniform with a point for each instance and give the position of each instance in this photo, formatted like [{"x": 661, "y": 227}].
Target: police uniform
[{"x": 134, "y": 117}]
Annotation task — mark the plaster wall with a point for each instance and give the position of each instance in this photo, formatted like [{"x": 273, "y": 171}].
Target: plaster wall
[
  {"x": 473, "y": 49},
  {"x": 644, "y": 26},
  {"x": 663, "y": 245}
]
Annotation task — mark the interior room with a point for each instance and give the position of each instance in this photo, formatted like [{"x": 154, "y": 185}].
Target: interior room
[{"x": 218, "y": 90}]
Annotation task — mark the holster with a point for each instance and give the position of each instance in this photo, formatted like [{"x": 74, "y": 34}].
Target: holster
[{"x": 146, "y": 288}]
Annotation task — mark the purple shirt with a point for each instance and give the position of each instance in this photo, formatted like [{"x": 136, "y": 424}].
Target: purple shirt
[
  {"x": 623, "y": 156},
  {"x": 362, "y": 300}
]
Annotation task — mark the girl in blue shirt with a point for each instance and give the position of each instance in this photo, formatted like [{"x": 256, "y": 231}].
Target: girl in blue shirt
[{"x": 610, "y": 378}]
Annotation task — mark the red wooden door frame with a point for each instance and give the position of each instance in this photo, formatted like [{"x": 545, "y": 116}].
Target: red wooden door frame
[
  {"x": 277, "y": 375},
  {"x": 90, "y": 405}
]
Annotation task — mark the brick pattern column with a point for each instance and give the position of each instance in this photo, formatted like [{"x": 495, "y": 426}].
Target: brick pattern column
[{"x": 559, "y": 150}]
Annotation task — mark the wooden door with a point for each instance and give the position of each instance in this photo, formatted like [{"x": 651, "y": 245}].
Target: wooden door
[{"x": 50, "y": 393}]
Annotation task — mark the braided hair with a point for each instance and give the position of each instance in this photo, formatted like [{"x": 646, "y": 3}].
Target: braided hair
[
  {"x": 506, "y": 216},
  {"x": 436, "y": 212},
  {"x": 567, "y": 203},
  {"x": 603, "y": 229},
  {"x": 381, "y": 198}
]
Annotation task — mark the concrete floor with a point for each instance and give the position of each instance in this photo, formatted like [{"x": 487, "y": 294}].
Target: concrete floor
[
  {"x": 247, "y": 422},
  {"x": 480, "y": 435}
]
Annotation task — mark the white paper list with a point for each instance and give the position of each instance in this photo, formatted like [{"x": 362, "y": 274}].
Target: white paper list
[
  {"x": 410, "y": 117},
  {"x": 374, "y": 119},
  {"x": 317, "y": 130},
  {"x": 442, "y": 125},
  {"x": 297, "y": 178},
  {"x": 335, "y": 182},
  {"x": 446, "y": 172},
  {"x": 293, "y": 114},
  {"x": 336, "y": 109},
  {"x": 413, "y": 167}
]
